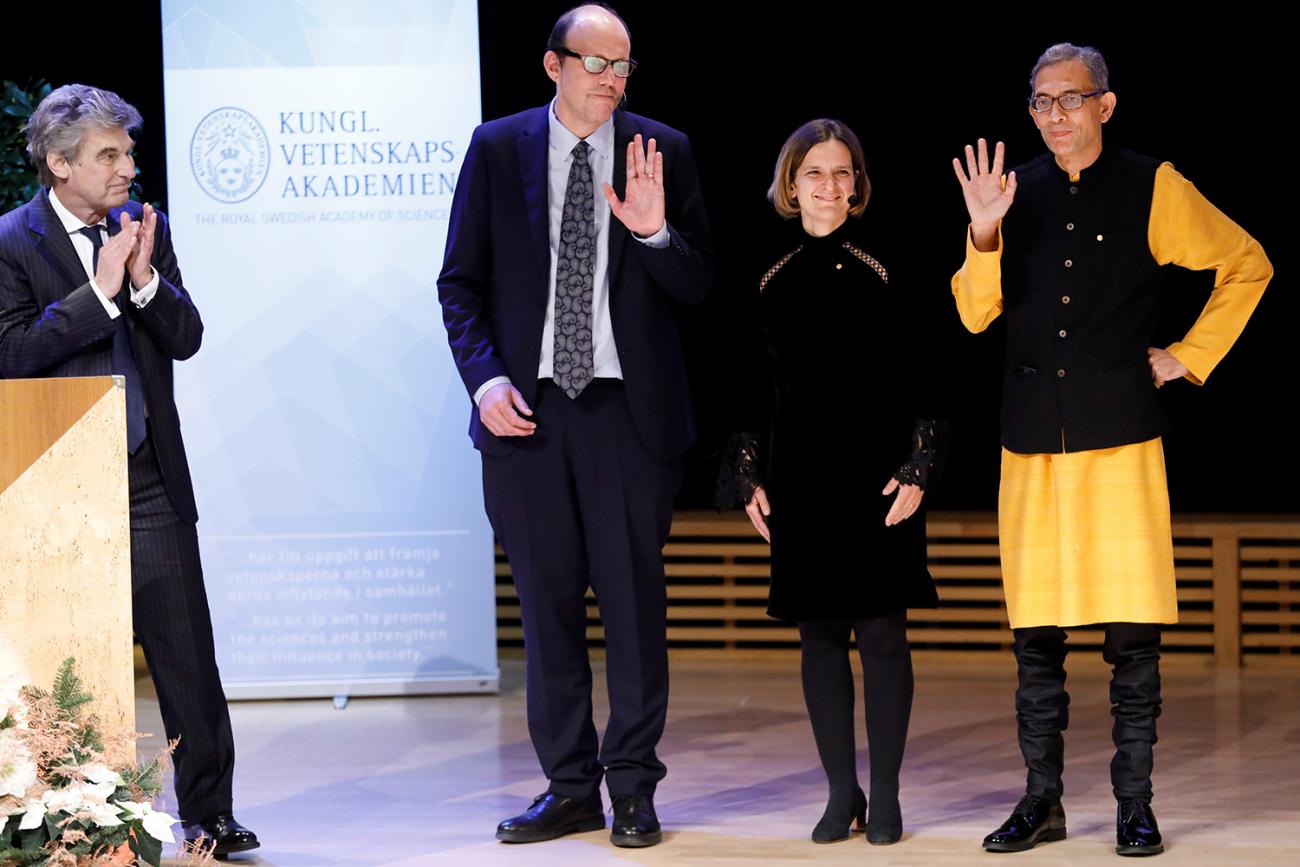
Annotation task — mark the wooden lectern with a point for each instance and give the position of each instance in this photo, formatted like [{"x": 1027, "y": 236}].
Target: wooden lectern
[{"x": 65, "y": 540}]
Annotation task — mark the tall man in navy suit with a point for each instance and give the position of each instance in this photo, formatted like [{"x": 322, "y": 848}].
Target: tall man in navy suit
[
  {"x": 574, "y": 230},
  {"x": 89, "y": 286}
]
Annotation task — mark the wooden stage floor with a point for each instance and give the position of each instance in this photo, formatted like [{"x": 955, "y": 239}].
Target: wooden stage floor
[{"x": 425, "y": 780}]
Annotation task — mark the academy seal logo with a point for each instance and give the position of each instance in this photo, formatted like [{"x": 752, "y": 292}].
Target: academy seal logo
[{"x": 230, "y": 155}]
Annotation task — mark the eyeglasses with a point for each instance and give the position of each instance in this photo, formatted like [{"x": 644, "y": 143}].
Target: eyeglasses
[
  {"x": 596, "y": 64},
  {"x": 1067, "y": 101}
]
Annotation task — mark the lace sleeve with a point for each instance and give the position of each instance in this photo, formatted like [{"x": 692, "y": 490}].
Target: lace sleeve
[
  {"x": 738, "y": 472},
  {"x": 922, "y": 467}
]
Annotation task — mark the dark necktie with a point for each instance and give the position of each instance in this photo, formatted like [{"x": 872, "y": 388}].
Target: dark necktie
[
  {"x": 123, "y": 356},
  {"x": 574, "y": 275}
]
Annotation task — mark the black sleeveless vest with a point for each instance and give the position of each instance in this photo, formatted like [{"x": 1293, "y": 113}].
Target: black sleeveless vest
[{"x": 1080, "y": 297}]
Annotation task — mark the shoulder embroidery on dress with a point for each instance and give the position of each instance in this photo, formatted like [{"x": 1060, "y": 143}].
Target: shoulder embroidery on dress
[
  {"x": 780, "y": 263},
  {"x": 870, "y": 260}
]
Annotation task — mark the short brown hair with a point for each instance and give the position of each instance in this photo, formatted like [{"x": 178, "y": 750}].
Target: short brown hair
[{"x": 796, "y": 147}]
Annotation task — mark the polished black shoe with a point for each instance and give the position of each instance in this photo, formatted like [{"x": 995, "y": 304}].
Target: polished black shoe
[
  {"x": 1034, "y": 820},
  {"x": 635, "y": 822},
  {"x": 552, "y": 816},
  {"x": 221, "y": 835},
  {"x": 1136, "y": 832},
  {"x": 836, "y": 824}
]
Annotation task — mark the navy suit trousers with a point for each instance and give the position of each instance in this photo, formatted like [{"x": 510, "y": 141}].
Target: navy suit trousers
[{"x": 579, "y": 503}]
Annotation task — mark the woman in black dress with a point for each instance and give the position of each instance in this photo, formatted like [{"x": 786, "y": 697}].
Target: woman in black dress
[{"x": 848, "y": 558}]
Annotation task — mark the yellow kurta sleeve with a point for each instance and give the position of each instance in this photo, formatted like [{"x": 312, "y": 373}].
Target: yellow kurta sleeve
[
  {"x": 977, "y": 287},
  {"x": 1188, "y": 231}
]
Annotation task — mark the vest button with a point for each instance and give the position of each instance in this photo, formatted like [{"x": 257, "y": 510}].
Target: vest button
[
  {"x": 1073, "y": 189},
  {"x": 1069, "y": 227},
  {"x": 1062, "y": 332},
  {"x": 1060, "y": 374},
  {"x": 1065, "y": 299},
  {"x": 1099, "y": 237},
  {"x": 839, "y": 266},
  {"x": 1069, "y": 263}
]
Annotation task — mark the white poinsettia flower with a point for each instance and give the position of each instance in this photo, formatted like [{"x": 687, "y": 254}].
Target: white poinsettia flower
[
  {"x": 103, "y": 815},
  {"x": 17, "y": 769},
  {"x": 34, "y": 815},
  {"x": 157, "y": 825},
  {"x": 16, "y": 777},
  {"x": 78, "y": 796},
  {"x": 101, "y": 773}
]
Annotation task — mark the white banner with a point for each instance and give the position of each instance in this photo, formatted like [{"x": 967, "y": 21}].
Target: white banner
[{"x": 312, "y": 154}]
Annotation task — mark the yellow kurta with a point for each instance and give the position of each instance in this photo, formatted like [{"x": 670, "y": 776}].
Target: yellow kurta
[{"x": 1085, "y": 536}]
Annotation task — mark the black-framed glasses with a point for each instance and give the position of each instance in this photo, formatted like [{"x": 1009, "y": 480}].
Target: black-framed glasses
[
  {"x": 1042, "y": 103},
  {"x": 595, "y": 64}
]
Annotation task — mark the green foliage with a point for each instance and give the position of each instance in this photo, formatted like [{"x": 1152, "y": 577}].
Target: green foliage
[
  {"x": 71, "y": 696},
  {"x": 147, "y": 778},
  {"x": 18, "y": 178},
  {"x": 21, "y": 857},
  {"x": 146, "y": 848}
]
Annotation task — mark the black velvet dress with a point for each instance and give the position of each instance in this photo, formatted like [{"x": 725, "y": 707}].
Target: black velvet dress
[{"x": 849, "y": 410}]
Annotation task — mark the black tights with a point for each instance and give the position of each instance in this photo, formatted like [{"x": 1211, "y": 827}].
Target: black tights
[{"x": 887, "y": 687}]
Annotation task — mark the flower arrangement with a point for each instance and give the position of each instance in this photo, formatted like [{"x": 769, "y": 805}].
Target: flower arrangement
[{"x": 61, "y": 804}]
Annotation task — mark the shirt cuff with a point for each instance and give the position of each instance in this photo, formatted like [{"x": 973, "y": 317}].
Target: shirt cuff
[
  {"x": 142, "y": 296},
  {"x": 482, "y": 389},
  {"x": 109, "y": 307},
  {"x": 658, "y": 240}
]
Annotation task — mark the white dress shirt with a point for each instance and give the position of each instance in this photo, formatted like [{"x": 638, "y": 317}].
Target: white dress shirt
[{"x": 559, "y": 158}]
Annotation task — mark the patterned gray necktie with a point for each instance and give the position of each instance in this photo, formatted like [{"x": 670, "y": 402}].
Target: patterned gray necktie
[{"x": 574, "y": 273}]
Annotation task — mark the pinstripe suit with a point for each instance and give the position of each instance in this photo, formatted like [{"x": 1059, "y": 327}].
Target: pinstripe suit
[{"x": 52, "y": 324}]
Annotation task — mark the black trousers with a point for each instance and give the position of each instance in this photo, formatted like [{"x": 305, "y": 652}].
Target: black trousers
[
  {"x": 1043, "y": 705},
  {"x": 887, "y": 689},
  {"x": 172, "y": 623},
  {"x": 581, "y": 503}
]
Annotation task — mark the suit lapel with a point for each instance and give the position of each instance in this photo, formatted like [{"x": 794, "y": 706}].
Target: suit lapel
[
  {"x": 531, "y": 149},
  {"x": 618, "y": 233},
  {"x": 52, "y": 241}
]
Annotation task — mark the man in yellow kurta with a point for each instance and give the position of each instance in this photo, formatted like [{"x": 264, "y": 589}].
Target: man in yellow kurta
[{"x": 1076, "y": 266}]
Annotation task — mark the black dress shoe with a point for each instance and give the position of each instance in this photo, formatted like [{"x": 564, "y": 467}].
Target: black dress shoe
[
  {"x": 837, "y": 823},
  {"x": 220, "y": 834},
  {"x": 552, "y": 816},
  {"x": 635, "y": 822},
  {"x": 1034, "y": 820},
  {"x": 1136, "y": 832}
]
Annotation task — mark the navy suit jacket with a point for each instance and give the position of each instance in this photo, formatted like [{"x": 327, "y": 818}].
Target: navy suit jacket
[
  {"x": 52, "y": 324},
  {"x": 496, "y": 271}
]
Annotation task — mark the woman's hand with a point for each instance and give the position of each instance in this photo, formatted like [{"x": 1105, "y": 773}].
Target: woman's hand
[
  {"x": 905, "y": 504},
  {"x": 758, "y": 510}
]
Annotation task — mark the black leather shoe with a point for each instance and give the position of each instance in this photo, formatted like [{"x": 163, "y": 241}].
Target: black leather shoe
[
  {"x": 836, "y": 825},
  {"x": 1034, "y": 820},
  {"x": 220, "y": 834},
  {"x": 635, "y": 822},
  {"x": 552, "y": 816},
  {"x": 1136, "y": 832}
]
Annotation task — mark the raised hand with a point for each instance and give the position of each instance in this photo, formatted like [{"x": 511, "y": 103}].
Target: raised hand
[
  {"x": 642, "y": 208},
  {"x": 987, "y": 198},
  {"x": 137, "y": 264}
]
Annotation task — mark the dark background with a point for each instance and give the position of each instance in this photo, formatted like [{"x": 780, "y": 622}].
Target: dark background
[{"x": 1208, "y": 95}]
